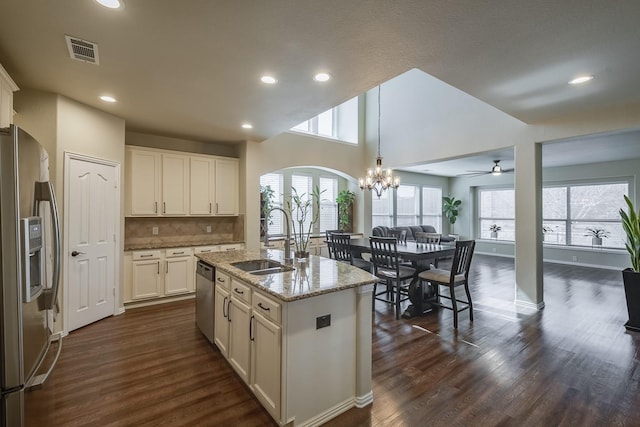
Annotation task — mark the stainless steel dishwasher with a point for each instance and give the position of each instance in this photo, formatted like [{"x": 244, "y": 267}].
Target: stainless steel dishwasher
[{"x": 204, "y": 299}]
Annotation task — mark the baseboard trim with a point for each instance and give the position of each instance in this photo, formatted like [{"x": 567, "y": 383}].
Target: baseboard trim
[
  {"x": 527, "y": 304},
  {"x": 329, "y": 414},
  {"x": 146, "y": 303},
  {"x": 362, "y": 401}
]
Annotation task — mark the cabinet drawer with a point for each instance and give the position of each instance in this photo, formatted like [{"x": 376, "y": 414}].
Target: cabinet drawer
[
  {"x": 232, "y": 247},
  {"x": 144, "y": 255},
  {"x": 267, "y": 307},
  {"x": 205, "y": 249},
  {"x": 241, "y": 291},
  {"x": 176, "y": 252},
  {"x": 222, "y": 280}
]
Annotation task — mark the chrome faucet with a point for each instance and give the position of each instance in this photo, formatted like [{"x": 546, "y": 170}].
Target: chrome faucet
[{"x": 287, "y": 243}]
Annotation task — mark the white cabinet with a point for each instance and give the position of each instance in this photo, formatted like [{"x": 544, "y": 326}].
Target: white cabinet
[
  {"x": 175, "y": 184},
  {"x": 221, "y": 316},
  {"x": 203, "y": 177},
  {"x": 227, "y": 186},
  {"x": 168, "y": 183},
  {"x": 239, "y": 317},
  {"x": 179, "y": 271},
  {"x": 7, "y": 87},
  {"x": 146, "y": 278},
  {"x": 143, "y": 182},
  {"x": 266, "y": 344}
]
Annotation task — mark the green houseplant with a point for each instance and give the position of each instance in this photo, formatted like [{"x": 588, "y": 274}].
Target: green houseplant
[
  {"x": 631, "y": 276},
  {"x": 596, "y": 234},
  {"x": 345, "y": 202},
  {"x": 450, "y": 206},
  {"x": 304, "y": 211}
]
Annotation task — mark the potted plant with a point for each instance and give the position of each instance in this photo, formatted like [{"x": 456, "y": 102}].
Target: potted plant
[
  {"x": 631, "y": 276},
  {"x": 494, "y": 228},
  {"x": 450, "y": 206},
  {"x": 304, "y": 211},
  {"x": 345, "y": 201},
  {"x": 596, "y": 234},
  {"x": 546, "y": 229},
  {"x": 266, "y": 203}
]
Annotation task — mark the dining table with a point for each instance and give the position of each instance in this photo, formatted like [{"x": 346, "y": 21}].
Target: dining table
[{"x": 421, "y": 256}]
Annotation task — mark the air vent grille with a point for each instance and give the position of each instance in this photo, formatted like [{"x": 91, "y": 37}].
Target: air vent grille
[{"x": 83, "y": 50}]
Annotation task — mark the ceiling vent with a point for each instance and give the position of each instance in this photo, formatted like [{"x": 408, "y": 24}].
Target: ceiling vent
[{"x": 82, "y": 50}]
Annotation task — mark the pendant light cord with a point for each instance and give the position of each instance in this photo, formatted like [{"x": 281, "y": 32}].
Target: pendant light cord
[{"x": 379, "y": 120}]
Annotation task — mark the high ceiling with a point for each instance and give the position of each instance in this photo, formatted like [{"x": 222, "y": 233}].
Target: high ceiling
[{"x": 191, "y": 68}]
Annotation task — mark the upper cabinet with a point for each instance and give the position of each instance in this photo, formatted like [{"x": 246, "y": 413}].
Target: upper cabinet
[
  {"x": 7, "y": 87},
  {"x": 167, "y": 183}
]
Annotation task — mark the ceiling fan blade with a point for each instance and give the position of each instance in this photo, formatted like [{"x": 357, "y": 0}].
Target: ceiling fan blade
[{"x": 474, "y": 173}]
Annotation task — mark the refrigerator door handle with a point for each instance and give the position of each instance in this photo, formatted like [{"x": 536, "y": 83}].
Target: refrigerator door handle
[{"x": 44, "y": 193}]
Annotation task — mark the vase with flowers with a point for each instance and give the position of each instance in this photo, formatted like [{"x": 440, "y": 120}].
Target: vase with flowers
[{"x": 494, "y": 228}]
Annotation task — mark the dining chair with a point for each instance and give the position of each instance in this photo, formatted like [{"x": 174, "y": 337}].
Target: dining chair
[
  {"x": 399, "y": 235},
  {"x": 457, "y": 276},
  {"x": 342, "y": 251},
  {"x": 386, "y": 266},
  {"x": 328, "y": 234},
  {"x": 429, "y": 238}
]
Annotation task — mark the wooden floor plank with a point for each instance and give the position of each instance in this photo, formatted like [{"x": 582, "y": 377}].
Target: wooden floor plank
[{"x": 572, "y": 363}]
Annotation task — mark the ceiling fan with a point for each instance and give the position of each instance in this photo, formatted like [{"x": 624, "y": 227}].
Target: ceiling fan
[{"x": 496, "y": 169}]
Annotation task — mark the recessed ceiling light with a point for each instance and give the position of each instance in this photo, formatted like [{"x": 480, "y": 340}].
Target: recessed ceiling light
[
  {"x": 107, "y": 98},
  {"x": 269, "y": 80},
  {"x": 321, "y": 77},
  {"x": 112, "y": 4},
  {"x": 247, "y": 126},
  {"x": 580, "y": 79}
]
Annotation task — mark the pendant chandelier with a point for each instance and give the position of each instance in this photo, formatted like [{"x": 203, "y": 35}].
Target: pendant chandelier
[{"x": 379, "y": 179}]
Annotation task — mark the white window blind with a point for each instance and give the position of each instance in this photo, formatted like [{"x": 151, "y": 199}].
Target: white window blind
[
  {"x": 328, "y": 205},
  {"x": 432, "y": 207},
  {"x": 382, "y": 210},
  {"x": 408, "y": 199},
  {"x": 275, "y": 181}
]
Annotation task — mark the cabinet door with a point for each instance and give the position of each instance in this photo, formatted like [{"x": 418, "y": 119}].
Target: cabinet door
[
  {"x": 178, "y": 275},
  {"x": 144, "y": 183},
  {"x": 239, "y": 344},
  {"x": 175, "y": 184},
  {"x": 265, "y": 363},
  {"x": 202, "y": 173},
  {"x": 226, "y": 187},
  {"x": 146, "y": 279},
  {"x": 221, "y": 320}
]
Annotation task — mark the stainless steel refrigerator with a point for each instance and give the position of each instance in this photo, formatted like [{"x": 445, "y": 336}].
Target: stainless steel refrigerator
[{"x": 30, "y": 269}]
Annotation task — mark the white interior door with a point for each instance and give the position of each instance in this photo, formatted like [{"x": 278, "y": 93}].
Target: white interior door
[{"x": 92, "y": 195}]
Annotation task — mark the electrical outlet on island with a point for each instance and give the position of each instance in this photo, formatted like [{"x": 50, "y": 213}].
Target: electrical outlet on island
[
  {"x": 208, "y": 229},
  {"x": 154, "y": 231}
]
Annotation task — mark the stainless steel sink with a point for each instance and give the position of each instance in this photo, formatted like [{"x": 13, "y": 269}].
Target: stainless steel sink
[{"x": 261, "y": 267}]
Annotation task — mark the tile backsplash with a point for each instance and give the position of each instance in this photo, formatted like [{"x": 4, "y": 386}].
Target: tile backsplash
[{"x": 182, "y": 231}]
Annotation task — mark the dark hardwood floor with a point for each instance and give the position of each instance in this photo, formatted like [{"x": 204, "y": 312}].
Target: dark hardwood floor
[{"x": 572, "y": 363}]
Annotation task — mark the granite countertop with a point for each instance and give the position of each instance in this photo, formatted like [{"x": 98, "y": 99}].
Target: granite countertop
[
  {"x": 168, "y": 245},
  {"x": 317, "y": 276}
]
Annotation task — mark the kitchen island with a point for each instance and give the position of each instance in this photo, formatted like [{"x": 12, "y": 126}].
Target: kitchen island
[{"x": 300, "y": 339}]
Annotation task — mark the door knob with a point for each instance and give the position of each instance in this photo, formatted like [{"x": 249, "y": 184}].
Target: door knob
[{"x": 76, "y": 253}]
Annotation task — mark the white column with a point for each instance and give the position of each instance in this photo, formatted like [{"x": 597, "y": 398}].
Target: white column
[
  {"x": 364, "y": 392},
  {"x": 528, "y": 244}
]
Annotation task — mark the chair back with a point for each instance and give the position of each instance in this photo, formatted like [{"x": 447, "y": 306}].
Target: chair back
[
  {"x": 384, "y": 253},
  {"x": 341, "y": 246},
  {"x": 430, "y": 238},
  {"x": 462, "y": 259},
  {"x": 399, "y": 235},
  {"x": 328, "y": 234}
]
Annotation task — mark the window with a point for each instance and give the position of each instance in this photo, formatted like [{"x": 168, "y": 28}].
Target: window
[
  {"x": 304, "y": 187},
  {"x": 432, "y": 207},
  {"x": 415, "y": 205},
  {"x": 328, "y": 205},
  {"x": 340, "y": 123},
  {"x": 408, "y": 205},
  {"x": 497, "y": 206},
  {"x": 382, "y": 210},
  {"x": 275, "y": 181},
  {"x": 569, "y": 210}
]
